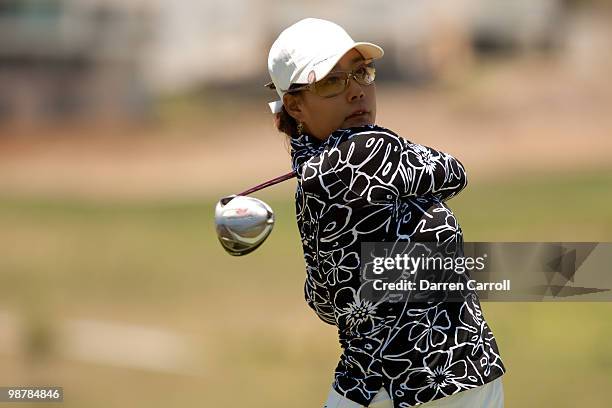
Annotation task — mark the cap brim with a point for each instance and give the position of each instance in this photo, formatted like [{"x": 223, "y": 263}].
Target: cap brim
[{"x": 368, "y": 50}]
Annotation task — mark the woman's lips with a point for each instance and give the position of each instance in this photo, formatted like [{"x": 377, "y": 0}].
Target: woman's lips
[{"x": 357, "y": 114}]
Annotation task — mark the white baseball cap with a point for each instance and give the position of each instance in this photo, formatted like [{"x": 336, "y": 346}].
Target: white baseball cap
[{"x": 307, "y": 51}]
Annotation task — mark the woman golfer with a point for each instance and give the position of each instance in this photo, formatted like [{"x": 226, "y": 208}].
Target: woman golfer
[{"x": 359, "y": 182}]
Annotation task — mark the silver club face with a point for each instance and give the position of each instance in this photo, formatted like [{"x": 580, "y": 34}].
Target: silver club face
[{"x": 243, "y": 223}]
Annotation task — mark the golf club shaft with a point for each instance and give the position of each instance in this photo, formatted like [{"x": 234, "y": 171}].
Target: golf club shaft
[{"x": 268, "y": 183}]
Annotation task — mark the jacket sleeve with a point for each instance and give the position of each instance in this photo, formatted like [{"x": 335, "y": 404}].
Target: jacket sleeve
[
  {"x": 315, "y": 290},
  {"x": 317, "y": 297},
  {"x": 381, "y": 165}
]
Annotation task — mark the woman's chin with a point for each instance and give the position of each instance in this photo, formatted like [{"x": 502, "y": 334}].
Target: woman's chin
[{"x": 357, "y": 121}]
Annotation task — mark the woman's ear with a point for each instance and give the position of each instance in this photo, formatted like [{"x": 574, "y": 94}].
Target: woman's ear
[{"x": 293, "y": 106}]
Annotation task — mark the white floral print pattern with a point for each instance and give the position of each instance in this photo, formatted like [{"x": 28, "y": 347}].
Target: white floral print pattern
[{"x": 368, "y": 184}]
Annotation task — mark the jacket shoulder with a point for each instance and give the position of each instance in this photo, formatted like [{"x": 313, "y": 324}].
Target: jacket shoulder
[{"x": 362, "y": 132}]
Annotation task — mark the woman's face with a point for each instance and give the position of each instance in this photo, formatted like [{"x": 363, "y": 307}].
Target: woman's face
[{"x": 321, "y": 116}]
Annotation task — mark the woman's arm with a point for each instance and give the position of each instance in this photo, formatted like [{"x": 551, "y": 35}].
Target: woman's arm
[
  {"x": 317, "y": 297},
  {"x": 315, "y": 290},
  {"x": 379, "y": 163}
]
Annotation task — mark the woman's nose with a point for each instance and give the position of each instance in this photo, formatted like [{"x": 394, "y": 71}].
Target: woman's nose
[{"x": 354, "y": 90}]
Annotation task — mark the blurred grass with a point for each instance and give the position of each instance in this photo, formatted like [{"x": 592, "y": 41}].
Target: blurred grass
[{"x": 160, "y": 264}]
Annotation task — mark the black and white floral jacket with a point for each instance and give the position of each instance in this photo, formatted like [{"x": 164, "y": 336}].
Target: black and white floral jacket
[{"x": 368, "y": 184}]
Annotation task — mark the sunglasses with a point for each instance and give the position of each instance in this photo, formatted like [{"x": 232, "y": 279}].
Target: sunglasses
[{"x": 336, "y": 82}]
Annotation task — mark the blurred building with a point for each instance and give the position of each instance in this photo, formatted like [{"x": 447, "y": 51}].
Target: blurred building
[
  {"x": 72, "y": 58},
  {"x": 81, "y": 58},
  {"x": 229, "y": 41}
]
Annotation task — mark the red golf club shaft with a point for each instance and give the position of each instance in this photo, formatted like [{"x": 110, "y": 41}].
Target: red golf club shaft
[{"x": 268, "y": 183}]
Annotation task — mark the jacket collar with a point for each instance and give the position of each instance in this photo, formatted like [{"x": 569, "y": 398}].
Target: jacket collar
[{"x": 305, "y": 146}]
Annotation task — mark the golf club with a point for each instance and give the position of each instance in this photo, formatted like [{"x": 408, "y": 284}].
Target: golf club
[{"x": 243, "y": 223}]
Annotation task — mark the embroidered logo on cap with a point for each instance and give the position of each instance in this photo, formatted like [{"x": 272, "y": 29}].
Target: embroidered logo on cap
[{"x": 312, "y": 77}]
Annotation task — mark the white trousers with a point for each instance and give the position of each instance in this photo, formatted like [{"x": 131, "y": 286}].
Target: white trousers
[{"x": 490, "y": 395}]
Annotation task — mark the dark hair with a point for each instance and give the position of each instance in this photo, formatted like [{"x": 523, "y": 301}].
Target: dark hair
[{"x": 286, "y": 123}]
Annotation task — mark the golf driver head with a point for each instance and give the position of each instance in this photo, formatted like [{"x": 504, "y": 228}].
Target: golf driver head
[{"x": 243, "y": 223}]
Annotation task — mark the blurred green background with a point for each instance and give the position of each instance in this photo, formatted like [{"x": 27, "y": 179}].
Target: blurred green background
[
  {"x": 112, "y": 282},
  {"x": 158, "y": 264}
]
